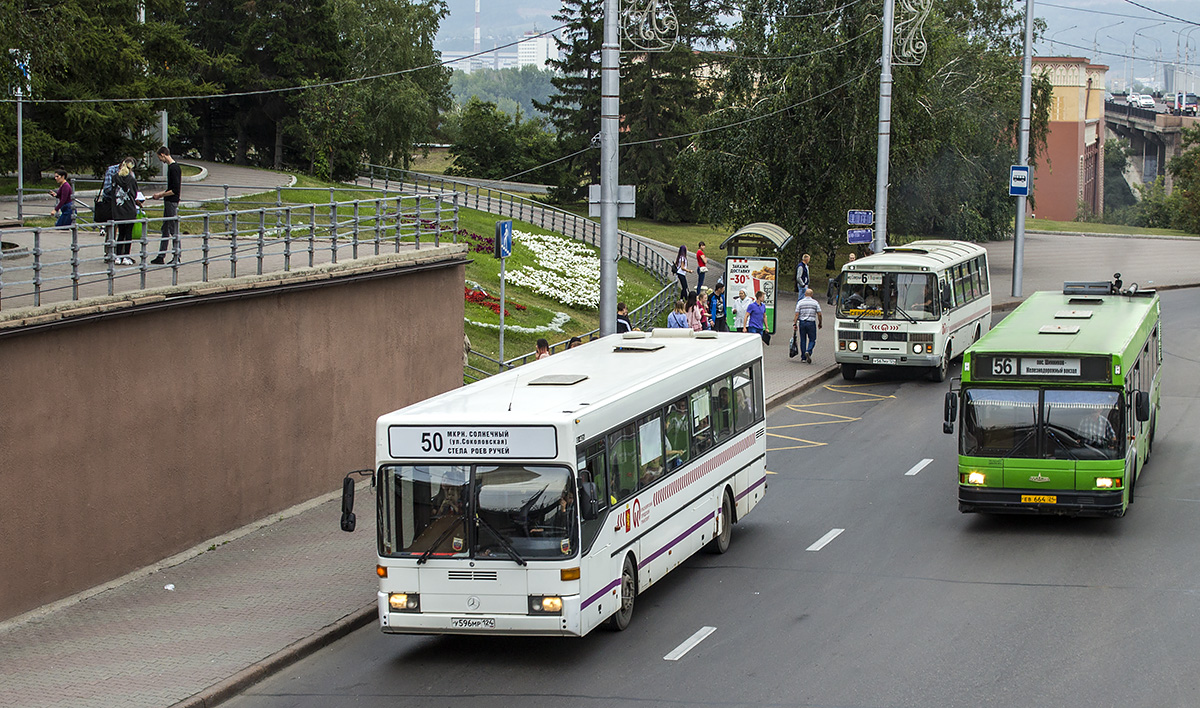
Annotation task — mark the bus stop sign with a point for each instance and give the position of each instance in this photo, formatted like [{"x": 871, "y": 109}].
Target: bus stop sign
[
  {"x": 1018, "y": 181},
  {"x": 856, "y": 236}
]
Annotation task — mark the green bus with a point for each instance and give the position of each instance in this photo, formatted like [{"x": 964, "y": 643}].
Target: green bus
[{"x": 1059, "y": 402}]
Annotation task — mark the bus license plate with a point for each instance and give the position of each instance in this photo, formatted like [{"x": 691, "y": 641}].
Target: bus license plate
[
  {"x": 882, "y": 360},
  {"x": 473, "y": 622},
  {"x": 1038, "y": 499}
]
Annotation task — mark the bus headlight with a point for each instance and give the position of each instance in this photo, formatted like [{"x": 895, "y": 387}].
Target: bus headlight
[
  {"x": 974, "y": 477},
  {"x": 853, "y": 346},
  {"x": 545, "y": 605},
  {"x": 404, "y": 601},
  {"x": 1108, "y": 482},
  {"x": 918, "y": 348}
]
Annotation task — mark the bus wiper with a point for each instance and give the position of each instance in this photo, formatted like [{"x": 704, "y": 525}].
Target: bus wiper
[
  {"x": 503, "y": 541},
  {"x": 445, "y": 534},
  {"x": 1021, "y": 443},
  {"x": 905, "y": 314}
]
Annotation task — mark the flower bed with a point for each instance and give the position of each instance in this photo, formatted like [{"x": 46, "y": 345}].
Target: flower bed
[
  {"x": 491, "y": 302},
  {"x": 567, "y": 271}
]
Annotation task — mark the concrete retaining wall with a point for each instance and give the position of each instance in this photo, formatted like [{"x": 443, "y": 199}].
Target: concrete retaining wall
[{"x": 133, "y": 428}]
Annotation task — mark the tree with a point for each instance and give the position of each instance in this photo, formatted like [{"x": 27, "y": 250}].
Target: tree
[
  {"x": 574, "y": 109},
  {"x": 513, "y": 90},
  {"x": 1186, "y": 170},
  {"x": 491, "y": 144},
  {"x": 1117, "y": 194},
  {"x": 793, "y": 138}
]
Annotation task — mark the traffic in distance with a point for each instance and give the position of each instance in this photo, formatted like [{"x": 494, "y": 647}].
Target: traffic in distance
[
  {"x": 916, "y": 305},
  {"x": 1058, "y": 404},
  {"x": 545, "y": 499}
]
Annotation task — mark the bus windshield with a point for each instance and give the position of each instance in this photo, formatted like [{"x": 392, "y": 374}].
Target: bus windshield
[
  {"x": 875, "y": 296},
  {"x": 517, "y": 512},
  {"x": 1067, "y": 424}
]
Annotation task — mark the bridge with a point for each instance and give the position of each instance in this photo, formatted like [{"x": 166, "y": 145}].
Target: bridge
[{"x": 1155, "y": 136}]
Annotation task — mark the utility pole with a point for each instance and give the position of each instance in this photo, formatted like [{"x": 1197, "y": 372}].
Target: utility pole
[
  {"x": 885, "y": 129},
  {"x": 1023, "y": 147},
  {"x": 610, "y": 116}
]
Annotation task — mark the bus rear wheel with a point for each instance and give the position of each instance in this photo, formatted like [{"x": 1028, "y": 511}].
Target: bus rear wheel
[
  {"x": 849, "y": 371},
  {"x": 720, "y": 542},
  {"x": 624, "y": 614}
]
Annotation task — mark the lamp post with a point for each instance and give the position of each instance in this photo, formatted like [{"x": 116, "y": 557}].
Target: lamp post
[
  {"x": 1133, "y": 47},
  {"x": 1125, "y": 50},
  {"x": 1095, "y": 46},
  {"x": 1058, "y": 32},
  {"x": 610, "y": 116},
  {"x": 1023, "y": 148}
]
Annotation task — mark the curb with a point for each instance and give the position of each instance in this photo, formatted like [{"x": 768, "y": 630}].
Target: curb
[
  {"x": 224, "y": 690},
  {"x": 819, "y": 377}
]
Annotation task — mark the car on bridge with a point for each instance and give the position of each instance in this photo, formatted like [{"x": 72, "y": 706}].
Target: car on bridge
[
  {"x": 1146, "y": 101},
  {"x": 1132, "y": 99}
]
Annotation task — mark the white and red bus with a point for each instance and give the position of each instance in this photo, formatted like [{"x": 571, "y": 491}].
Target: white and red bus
[
  {"x": 921, "y": 304},
  {"x": 545, "y": 499}
]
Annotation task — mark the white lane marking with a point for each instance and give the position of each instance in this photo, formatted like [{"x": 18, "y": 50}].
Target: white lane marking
[
  {"x": 678, "y": 652},
  {"x": 824, "y": 540},
  {"x": 918, "y": 467}
]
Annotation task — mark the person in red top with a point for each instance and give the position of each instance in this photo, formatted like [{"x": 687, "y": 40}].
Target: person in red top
[
  {"x": 701, "y": 266},
  {"x": 65, "y": 209}
]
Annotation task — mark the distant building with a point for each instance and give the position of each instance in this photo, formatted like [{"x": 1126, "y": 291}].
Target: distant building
[
  {"x": 1071, "y": 170},
  {"x": 536, "y": 51}
]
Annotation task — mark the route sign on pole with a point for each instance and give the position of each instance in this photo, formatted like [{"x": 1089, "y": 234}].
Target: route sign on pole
[
  {"x": 1018, "y": 181},
  {"x": 504, "y": 233},
  {"x": 857, "y": 236},
  {"x": 860, "y": 217}
]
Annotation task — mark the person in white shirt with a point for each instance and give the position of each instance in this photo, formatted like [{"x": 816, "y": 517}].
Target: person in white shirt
[{"x": 739, "y": 305}]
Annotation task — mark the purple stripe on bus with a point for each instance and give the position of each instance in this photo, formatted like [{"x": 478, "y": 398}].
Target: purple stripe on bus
[
  {"x": 751, "y": 488},
  {"x": 598, "y": 595},
  {"x": 677, "y": 539}
]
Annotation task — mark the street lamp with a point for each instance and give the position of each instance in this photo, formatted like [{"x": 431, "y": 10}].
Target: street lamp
[
  {"x": 1125, "y": 51},
  {"x": 1133, "y": 47},
  {"x": 1058, "y": 32},
  {"x": 1095, "y": 46}
]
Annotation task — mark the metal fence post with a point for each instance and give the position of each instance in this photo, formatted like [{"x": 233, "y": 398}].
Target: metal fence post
[
  {"x": 204, "y": 250},
  {"x": 354, "y": 232},
  {"x": 312, "y": 234},
  {"x": 233, "y": 246},
  {"x": 37, "y": 268},
  {"x": 262, "y": 237},
  {"x": 287, "y": 240},
  {"x": 74, "y": 261}
]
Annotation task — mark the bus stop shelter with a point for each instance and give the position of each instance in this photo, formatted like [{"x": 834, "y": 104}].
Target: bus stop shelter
[{"x": 753, "y": 238}]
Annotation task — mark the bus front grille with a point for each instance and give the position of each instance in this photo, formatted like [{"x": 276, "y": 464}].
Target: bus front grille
[{"x": 471, "y": 575}]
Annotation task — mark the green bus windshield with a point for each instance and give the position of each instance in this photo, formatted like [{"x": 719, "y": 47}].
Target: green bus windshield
[{"x": 1055, "y": 424}]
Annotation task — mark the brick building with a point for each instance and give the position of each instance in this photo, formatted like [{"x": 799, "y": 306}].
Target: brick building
[{"x": 1071, "y": 170}]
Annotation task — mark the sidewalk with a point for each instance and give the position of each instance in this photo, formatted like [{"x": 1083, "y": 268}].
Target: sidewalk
[{"x": 201, "y": 626}]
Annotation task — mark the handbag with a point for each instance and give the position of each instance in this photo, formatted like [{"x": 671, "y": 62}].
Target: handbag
[
  {"x": 101, "y": 210},
  {"x": 793, "y": 348},
  {"x": 766, "y": 337}
]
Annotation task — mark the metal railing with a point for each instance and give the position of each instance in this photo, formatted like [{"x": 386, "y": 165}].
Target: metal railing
[{"x": 70, "y": 263}]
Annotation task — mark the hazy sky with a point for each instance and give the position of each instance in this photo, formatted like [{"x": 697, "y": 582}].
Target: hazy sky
[{"x": 1105, "y": 31}]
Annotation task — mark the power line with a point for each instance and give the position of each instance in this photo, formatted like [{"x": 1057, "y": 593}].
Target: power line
[
  {"x": 288, "y": 89},
  {"x": 730, "y": 55},
  {"x": 1125, "y": 56},
  {"x": 1095, "y": 12},
  {"x": 1160, "y": 12}
]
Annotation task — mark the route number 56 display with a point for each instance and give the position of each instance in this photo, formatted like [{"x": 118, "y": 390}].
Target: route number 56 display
[{"x": 1004, "y": 366}]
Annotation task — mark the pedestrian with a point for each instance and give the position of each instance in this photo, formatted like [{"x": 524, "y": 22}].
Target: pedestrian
[
  {"x": 716, "y": 308},
  {"x": 695, "y": 316},
  {"x": 702, "y": 303},
  {"x": 574, "y": 342},
  {"x": 756, "y": 313},
  {"x": 701, "y": 266},
  {"x": 852, "y": 257},
  {"x": 623, "y": 323},
  {"x": 806, "y": 323},
  {"x": 543, "y": 348},
  {"x": 678, "y": 317},
  {"x": 102, "y": 209},
  {"x": 170, "y": 197},
  {"x": 681, "y": 271},
  {"x": 64, "y": 211},
  {"x": 802, "y": 275},
  {"x": 124, "y": 209},
  {"x": 739, "y": 305}
]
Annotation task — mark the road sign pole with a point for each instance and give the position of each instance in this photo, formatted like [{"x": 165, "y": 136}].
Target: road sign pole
[
  {"x": 502, "y": 313},
  {"x": 1023, "y": 149},
  {"x": 885, "y": 129}
]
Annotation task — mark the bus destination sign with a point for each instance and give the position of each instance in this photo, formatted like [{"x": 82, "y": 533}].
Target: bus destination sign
[
  {"x": 1037, "y": 366},
  {"x": 1040, "y": 366},
  {"x": 477, "y": 442}
]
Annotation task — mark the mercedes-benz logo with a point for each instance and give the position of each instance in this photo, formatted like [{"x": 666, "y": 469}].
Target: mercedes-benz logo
[
  {"x": 885, "y": 336},
  {"x": 472, "y": 603}
]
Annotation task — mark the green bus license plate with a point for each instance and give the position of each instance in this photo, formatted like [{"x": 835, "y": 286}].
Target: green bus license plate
[{"x": 1038, "y": 499}]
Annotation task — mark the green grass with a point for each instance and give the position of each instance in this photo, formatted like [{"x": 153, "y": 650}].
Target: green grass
[
  {"x": 435, "y": 163},
  {"x": 1088, "y": 227},
  {"x": 8, "y": 185}
]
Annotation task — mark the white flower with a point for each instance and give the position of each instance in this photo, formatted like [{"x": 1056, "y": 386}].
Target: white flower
[
  {"x": 556, "y": 325},
  {"x": 567, "y": 270}
]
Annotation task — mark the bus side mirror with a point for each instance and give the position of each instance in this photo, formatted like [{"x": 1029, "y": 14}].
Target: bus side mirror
[
  {"x": 1142, "y": 406},
  {"x": 589, "y": 505},
  {"x": 348, "y": 504},
  {"x": 950, "y": 413}
]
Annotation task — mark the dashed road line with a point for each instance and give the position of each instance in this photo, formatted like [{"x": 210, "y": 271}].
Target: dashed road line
[
  {"x": 689, "y": 644},
  {"x": 918, "y": 467},
  {"x": 824, "y": 540}
]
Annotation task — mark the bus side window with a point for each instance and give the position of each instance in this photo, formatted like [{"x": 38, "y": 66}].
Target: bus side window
[
  {"x": 678, "y": 435},
  {"x": 722, "y": 409},
  {"x": 592, "y": 468},
  {"x": 622, "y": 463},
  {"x": 650, "y": 450},
  {"x": 743, "y": 399},
  {"x": 983, "y": 275},
  {"x": 702, "y": 432}
]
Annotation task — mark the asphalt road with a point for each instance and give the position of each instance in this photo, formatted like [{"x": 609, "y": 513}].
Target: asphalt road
[{"x": 911, "y": 604}]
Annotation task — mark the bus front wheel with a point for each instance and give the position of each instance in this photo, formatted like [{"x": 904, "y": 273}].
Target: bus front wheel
[
  {"x": 624, "y": 614},
  {"x": 849, "y": 371},
  {"x": 938, "y": 373}
]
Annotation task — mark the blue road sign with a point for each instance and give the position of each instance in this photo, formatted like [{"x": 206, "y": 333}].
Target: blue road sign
[
  {"x": 1018, "y": 181},
  {"x": 856, "y": 236},
  {"x": 860, "y": 217},
  {"x": 504, "y": 232}
]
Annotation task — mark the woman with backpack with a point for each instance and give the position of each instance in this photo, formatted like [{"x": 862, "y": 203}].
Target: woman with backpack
[{"x": 124, "y": 209}]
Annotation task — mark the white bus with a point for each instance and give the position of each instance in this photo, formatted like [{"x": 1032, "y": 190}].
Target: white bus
[
  {"x": 921, "y": 304},
  {"x": 545, "y": 499}
]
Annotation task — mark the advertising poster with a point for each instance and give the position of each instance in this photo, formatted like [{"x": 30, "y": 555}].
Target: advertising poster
[{"x": 751, "y": 274}]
